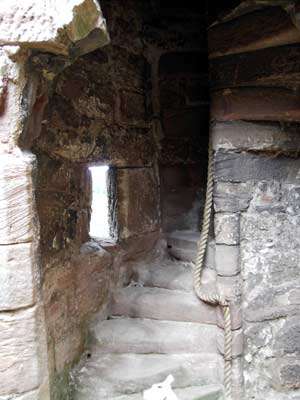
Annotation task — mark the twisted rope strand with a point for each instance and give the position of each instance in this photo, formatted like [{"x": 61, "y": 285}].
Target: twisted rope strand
[{"x": 213, "y": 298}]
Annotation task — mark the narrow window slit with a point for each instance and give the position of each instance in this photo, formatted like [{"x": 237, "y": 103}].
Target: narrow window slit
[{"x": 99, "y": 224}]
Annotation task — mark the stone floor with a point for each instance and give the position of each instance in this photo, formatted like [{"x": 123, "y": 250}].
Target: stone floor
[{"x": 157, "y": 327}]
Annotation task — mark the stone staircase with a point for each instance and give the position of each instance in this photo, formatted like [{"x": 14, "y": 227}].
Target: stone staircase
[{"x": 157, "y": 327}]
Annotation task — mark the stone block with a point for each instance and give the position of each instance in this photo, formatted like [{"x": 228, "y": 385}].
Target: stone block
[
  {"x": 92, "y": 279},
  {"x": 132, "y": 69},
  {"x": 236, "y": 316},
  {"x": 138, "y": 201},
  {"x": 290, "y": 198},
  {"x": 136, "y": 247},
  {"x": 260, "y": 136},
  {"x": 227, "y": 260},
  {"x": 230, "y": 286},
  {"x": 133, "y": 373},
  {"x": 17, "y": 212},
  {"x": 59, "y": 289},
  {"x": 269, "y": 257},
  {"x": 244, "y": 167},
  {"x": 146, "y": 336},
  {"x": 162, "y": 304},
  {"x": 11, "y": 94},
  {"x": 237, "y": 342},
  {"x": 237, "y": 379},
  {"x": 232, "y": 197},
  {"x": 164, "y": 274},
  {"x": 27, "y": 24},
  {"x": 183, "y": 245},
  {"x": 268, "y": 67},
  {"x": 227, "y": 228},
  {"x": 32, "y": 395},
  {"x": 286, "y": 372},
  {"x": 18, "y": 276},
  {"x": 245, "y": 33},
  {"x": 133, "y": 107},
  {"x": 267, "y": 196},
  {"x": 288, "y": 338},
  {"x": 254, "y": 104},
  {"x": 67, "y": 348},
  {"x": 20, "y": 369}
]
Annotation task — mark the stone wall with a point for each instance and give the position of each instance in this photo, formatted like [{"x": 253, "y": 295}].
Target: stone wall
[
  {"x": 257, "y": 256},
  {"x": 25, "y": 28},
  {"x": 84, "y": 123},
  {"x": 254, "y": 74},
  {"x": 141, "y": 106},
  {"x": 106, "y": 108},
  {"x": 257, "y": 251}
]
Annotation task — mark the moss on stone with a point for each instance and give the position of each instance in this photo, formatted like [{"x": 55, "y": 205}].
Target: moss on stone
[{"x": 60, "y": 386}]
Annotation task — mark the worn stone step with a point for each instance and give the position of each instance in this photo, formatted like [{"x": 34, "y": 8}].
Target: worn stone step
[
  {"x": 170, "y": 274},
  {"x": 183, "y": 245},
  {"x": 133, "y": 335},
  {"x": 162, "y": 304},
  {"x": 207, "y": 392},
  {"x": 104, "y": 376}
]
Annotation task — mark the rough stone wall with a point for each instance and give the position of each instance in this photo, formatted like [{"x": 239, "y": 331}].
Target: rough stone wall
[
  {"x": 26, "y": 28},
  {"x": 133, "y": 105},
  {"x": 254, "y": 73},
  {"x": 256, "y": 226}
]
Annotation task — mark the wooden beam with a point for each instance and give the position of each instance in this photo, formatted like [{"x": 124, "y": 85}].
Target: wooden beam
[
  {"x": 255, "y": 104},
  {"x": 275, "y": 66},
  {"x": 269, "y": 27}
]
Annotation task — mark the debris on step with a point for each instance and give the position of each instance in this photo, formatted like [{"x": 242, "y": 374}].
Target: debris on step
[
  {"x": 207, "y": 392},
  {"x": 161, "y": 391}
]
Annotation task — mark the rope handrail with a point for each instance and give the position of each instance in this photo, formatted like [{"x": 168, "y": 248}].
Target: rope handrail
[{"x": 213, "y": 298}]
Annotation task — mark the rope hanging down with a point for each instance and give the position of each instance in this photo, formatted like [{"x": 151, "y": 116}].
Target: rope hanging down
[{"x": 213, "y": 298}]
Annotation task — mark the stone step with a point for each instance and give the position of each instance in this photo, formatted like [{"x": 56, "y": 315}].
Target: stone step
[
  {"x": 183, "y": 246},
  {"x": 208, "y": 392},
  {"x": 170, "y": 274},
  {"x": 131, "y": 335},
  {"x": 165, "y": 274},
  {"x": 104, "y": 376},
  {"x": 162, "y": 304}
]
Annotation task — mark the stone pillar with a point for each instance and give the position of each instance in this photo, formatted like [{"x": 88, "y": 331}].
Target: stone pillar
[
  {"x": 22, "y": 334},
  {"x": 257, "y": 255},
  {"x": 227, "y": 260}
]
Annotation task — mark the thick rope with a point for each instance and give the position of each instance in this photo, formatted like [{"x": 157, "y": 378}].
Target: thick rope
[{"x": 213, "y": 298}]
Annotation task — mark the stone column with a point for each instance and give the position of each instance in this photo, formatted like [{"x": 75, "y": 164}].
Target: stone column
[
  {"x": 257, "y": 256},
  {"x": 23, "y": 349}
]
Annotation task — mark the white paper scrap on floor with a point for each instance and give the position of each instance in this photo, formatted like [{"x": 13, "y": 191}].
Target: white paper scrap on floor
[{"x": 161, "y": 391}]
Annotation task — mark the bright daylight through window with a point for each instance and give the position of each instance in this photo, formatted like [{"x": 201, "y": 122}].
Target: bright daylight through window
[{"x": 99, "y": 226}]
